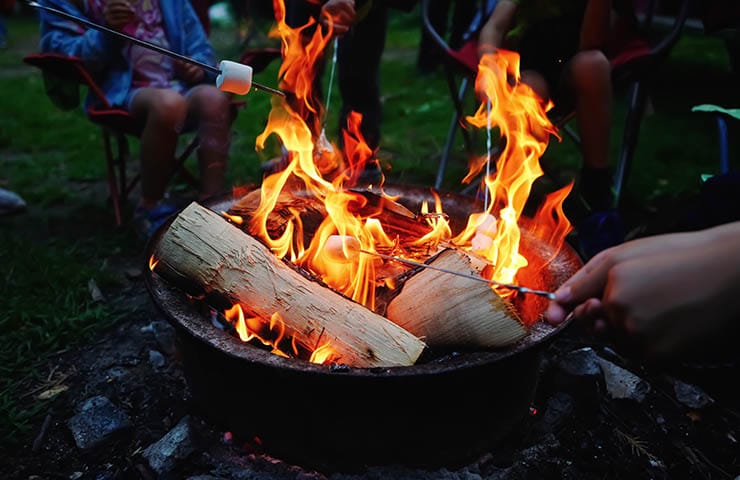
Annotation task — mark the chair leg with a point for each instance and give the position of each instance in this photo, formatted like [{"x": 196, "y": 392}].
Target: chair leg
[
  {"x": 180, "y": 163},
  {"x": 112, "y": 180},
  {"x": 446, "y": 151},
  {"x": 458, "y": 96},
  {"x": 638, "y": 100}
]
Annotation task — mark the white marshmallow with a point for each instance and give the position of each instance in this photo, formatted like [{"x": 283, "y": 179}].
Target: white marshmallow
[
  {"x": 341, "y": 248},
  {"x": 488, "y": 226},
  {"x": 234, "y": 77},
  {"x": 485, "y": 233}
]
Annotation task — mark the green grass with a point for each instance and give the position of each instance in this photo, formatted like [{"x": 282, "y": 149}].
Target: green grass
[{"x": 54, "y": 159}]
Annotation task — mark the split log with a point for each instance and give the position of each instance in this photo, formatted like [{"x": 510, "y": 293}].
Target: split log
[
  {"x": 200, "y": 246},
  {"x": 447, "y": 310}
]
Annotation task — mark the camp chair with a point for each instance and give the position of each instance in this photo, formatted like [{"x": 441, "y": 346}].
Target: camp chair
[
  {"x": 641, "y": 50},
  {"x": 116, "y": 124}
]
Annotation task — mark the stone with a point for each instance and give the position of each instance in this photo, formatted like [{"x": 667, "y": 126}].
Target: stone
[
  {"x": 156, "y": 359},
  {"x": 98, "y": 422},
  {"x": 581, "y": 362},
  {"x": 164, "y": 454},
  {"x": 559, "y": 409},
  {"x": 623, "y": 384},
  {"x": 691, "y": 395}
]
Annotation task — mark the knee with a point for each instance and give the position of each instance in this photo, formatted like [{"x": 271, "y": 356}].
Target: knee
[
  {"x": 537, "y": 83},
  {"x": 590, "y": 71},
  {"x": 213, "y": 105},
  {"x": 167, "y": 110}
]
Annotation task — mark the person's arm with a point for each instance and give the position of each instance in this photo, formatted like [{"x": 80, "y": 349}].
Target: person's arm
[
  {"x": 196, "y": 46},
  {"x": 666, "y": 292},
  {"x": 59, "y": 35},
  {"x": 491, "y": 36},
  {"x": 596, "y": 25}
]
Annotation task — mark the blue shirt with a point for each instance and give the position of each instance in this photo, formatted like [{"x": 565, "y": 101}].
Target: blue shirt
[{"x": 103, "y": 53}]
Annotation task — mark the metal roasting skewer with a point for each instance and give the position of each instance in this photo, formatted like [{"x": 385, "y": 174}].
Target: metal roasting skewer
[
  {"x": 518, "y": 288},
  {"x": 144, "y": 44}
]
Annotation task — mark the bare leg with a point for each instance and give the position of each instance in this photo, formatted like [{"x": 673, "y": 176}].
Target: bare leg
[
  {"x": 589, "y": 75},
  {"x": 538, "y": 83},
  {"x": 211, "y": 109},
  {"x": 163, "y": 112}
]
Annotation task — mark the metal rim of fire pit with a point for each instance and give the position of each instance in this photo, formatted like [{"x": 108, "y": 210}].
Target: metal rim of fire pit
[{"x": 186, "y": 318}]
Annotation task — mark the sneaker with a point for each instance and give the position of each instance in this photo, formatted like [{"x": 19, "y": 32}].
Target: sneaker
[
  {"x": 148, "y": 221},
  {"x": 10, "y": 202},
  {"x": 599, "y": 231}
]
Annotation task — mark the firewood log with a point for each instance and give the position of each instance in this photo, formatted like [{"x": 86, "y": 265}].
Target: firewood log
[
  {"x": 201, "y": 247},
  {"x": 395, "y": 218},
  {"x": 452, "y": 311}
]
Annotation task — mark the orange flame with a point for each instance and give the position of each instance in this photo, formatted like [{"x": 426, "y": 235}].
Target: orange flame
[
  {"x": 153, "y": 263},
  {"x": 522, "y": 121},
  {"x": 271, "y": 334},
  {"x": 294, "y": 121},
  {"x": 315, "y": 168}
]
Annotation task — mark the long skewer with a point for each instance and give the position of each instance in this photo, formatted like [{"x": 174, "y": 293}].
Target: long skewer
[
  {"x": 144, "y": 44},
  {"x": 518, "y": 288}
]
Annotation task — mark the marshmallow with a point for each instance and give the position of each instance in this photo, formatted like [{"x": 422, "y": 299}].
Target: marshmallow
[
  {"x": 484, "y": 233},
  {"x": 234, "y": 77},
  {"x": 341, "y": 248}
]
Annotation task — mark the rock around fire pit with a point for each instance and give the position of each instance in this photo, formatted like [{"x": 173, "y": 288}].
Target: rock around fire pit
[{"x": 443, "y": 411}]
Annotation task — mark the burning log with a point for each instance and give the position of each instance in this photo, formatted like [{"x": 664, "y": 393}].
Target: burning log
[
  {"x": 312, "y": 211},
  {"x": 201, "y": 248},
  {"x": 452, "y": 311}
]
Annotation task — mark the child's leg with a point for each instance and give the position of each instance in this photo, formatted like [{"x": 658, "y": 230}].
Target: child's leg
[
  {"x": 211, "y": 109},
  {"x": 538, "y": 83},
  {"x": 589, "y": 77},
  {"x": 163, "y": 112}
]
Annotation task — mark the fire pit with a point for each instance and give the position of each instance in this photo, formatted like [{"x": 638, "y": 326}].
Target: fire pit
[{"x": 442, "y": 411}]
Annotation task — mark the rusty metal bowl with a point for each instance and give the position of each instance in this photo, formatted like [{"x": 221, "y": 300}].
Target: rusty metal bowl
[{"x": 445, "y": 411}]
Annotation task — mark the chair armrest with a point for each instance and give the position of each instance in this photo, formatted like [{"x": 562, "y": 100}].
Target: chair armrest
[{"x": 68, "y": 69}]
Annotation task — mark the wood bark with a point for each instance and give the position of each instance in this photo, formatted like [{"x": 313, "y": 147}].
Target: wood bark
[
  {"x": 447, "y": 310},
  {"x": 201, "y": 247}
]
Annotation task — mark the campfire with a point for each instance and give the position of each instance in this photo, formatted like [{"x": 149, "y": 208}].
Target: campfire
[{"x": 317, "y": 267}]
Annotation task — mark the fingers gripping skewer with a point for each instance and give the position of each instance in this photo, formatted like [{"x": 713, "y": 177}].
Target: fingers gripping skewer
[
  {"x": 232, "y": 77},
  {"x": 345, "y": 248}
]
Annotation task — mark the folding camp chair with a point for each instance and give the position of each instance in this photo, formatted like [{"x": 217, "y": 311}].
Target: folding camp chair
[
  {"x": 117, "y": 124},
  {"x": 633, "y": 65}
]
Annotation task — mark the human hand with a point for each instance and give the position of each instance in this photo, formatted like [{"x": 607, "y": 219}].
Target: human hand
[
  {"x": 188, "y": 72},
  {"x": 340, "y": 14},
  {"x": 118, "y": 13},
  {"x": 667, "y": 293}
]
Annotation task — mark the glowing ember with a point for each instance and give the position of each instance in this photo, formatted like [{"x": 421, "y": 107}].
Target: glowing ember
[{"x": 152, "y": 263}]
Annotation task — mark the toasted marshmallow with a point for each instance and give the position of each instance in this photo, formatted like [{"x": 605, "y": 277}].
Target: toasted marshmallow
[{"x": 234, "y": 77}]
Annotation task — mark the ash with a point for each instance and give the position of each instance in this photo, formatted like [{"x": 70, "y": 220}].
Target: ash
[{"x": 121, "y": 409}]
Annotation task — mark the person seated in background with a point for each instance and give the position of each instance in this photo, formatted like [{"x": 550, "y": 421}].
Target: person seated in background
[
  {"x": 672, "y": 295},
  {"x": 562, "y": 47},
  {"x": 429, "y": 56},
  {"x": 167, "y": 95}
]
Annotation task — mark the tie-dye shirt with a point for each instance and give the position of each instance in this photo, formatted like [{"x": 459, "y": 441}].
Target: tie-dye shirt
[{"x": 148, "y": 68}]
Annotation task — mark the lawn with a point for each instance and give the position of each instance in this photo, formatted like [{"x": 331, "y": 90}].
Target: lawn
[{"x": 66, "y": 242}]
